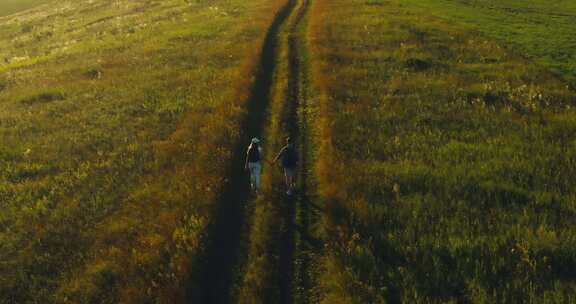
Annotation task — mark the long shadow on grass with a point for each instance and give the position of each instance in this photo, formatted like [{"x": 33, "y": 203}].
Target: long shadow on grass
[
  {"x": 286, "y": 265},
  {"x": 215, "y": 280}
]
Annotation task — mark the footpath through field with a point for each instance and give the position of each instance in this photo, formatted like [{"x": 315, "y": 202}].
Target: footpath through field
[
  {"x": 228, "y": 238},
  {"x": 421, "y": 127},
  {"x": 280, "y": 266},
  {"x": 299, "y": 244}
]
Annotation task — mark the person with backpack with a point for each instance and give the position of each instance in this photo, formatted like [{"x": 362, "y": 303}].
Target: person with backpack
[
  {"x": 288, "y": 157},
  {"x": 253, "y": 163}
]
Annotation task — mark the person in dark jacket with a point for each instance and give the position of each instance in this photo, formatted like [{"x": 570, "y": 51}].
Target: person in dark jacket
[
  {"x": 288, "y": 157},
  {"x": 254, "y": 163}
]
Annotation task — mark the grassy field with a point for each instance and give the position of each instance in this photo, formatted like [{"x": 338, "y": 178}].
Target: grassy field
[
  {"x": 445, "y": 157},
  {"x": 437, "y": 143},
  {"x": 542, "y": 31},
  {"x": 117, "y": 120},
  {"x": 8, "y": 7}
]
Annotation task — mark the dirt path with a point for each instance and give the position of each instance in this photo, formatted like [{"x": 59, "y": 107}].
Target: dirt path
[
  {"x": 228, "y": 236},
  {"x": 297, "y": 243},
  {"x": 223, "y": 253}
]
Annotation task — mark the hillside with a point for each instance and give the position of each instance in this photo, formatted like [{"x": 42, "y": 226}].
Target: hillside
[
  {"x": 448, "y": 163},
  {"x": 435, "y": 146},
  {"x": 116, "y": 119}
]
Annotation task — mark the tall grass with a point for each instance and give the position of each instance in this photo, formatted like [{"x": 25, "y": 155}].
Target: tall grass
[
  {"x": 445, "y": 161},
  {"x": 110, "y": 165}
]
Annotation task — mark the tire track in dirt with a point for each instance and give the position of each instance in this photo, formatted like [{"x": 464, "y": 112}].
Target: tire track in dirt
[
  {"x": 297, "y": 244},
  {"x": 225, "y": 236}
]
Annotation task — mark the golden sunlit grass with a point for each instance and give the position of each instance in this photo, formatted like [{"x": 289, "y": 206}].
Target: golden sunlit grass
[
  {"x": 446, "y": 162},
  {"x": 9, "y": 7},
  {"x": 117, "y": 122}
]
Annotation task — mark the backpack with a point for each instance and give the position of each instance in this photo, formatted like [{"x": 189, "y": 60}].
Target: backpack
[
  {"x": 289, "y": 157},
  {"x": 253, "y": 154}
]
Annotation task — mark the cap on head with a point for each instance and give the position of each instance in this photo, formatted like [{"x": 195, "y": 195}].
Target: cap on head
[{"x": 255, "y": 140}]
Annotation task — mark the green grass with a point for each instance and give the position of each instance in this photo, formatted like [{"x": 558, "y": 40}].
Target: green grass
[
  {"x": 8, "y": 7},
  {"x": 538, "y": 29},
  {"x": 116, "y": 122},
  {"x": 443, "y": 148},
  {"x": 446, "y": 161}
]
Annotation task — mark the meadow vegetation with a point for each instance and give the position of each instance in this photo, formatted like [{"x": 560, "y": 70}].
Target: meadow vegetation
[
  {"x": 440, "y": 137},
  {"x": 117, "y": 120},
  {"x": 445, "y": 159},
  {"x": 540, "y": 30},
  {"x": 9, "y": 7}
]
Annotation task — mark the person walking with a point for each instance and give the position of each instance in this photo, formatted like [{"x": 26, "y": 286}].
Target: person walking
[
  {"x": 253, "y": 163},
  {"x": 288, "y": 157}
]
